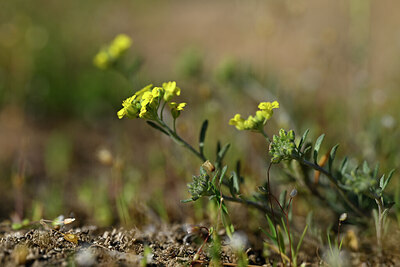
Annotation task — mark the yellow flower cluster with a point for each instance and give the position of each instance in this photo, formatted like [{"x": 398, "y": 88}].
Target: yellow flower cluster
[
  {"x": 108, "y": 55},
  {"x": 145, "y": 102},
  {"x": 258, "y": 121}
]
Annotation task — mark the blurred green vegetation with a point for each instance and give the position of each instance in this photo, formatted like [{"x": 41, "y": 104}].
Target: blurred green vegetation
[{"x": 57, "y": 110}]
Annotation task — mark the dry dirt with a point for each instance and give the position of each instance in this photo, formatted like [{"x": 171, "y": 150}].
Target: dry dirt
[{"x": 171, "y": 245}]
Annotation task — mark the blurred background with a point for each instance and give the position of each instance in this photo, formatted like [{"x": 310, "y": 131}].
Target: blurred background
[{"x": 333, "y": 65}]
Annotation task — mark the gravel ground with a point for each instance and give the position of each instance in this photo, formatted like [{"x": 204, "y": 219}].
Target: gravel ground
[{"x": 170, "y": 245}]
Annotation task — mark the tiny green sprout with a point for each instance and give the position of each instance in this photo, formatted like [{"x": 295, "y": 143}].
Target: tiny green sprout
[
  {"x": 147, "y": 256},
  {"x": 282, "y": 146},
  {"x": 257, "y": 122}
]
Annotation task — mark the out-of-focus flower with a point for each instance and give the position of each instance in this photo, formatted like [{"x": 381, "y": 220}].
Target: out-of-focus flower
[
  {"x": 101, "y": 60},
  {"x": 119, "y": 45},
  {"x": 105, "y": 157},
  {"x": 343, "y": 217},
  {"x": 110, "y": 54},
  {"x": 293, "y": 193},
  {"x": 255, "y": 123}
]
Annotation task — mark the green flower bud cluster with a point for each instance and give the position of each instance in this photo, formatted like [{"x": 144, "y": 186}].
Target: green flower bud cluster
[
  {"x": 359, "y": 180},
  {"x": 110, "y": 54},
  {"x": 282, "y": 146},
  {"x": 257, "y": 122},
  {"x": 146, "y": 102},
  {"x": 201, "y": 185}
]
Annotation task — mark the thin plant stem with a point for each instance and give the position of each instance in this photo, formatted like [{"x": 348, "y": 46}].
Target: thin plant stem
[
  {"x": 379, "y": 225},
  {"x": 265, "y": 135},
  {"x": 338, "y": 235},
  {"x": 272, "y": 209},
  {"x": 177, "y": 138},
  {"x": 333, "y": 180},
  {"x": 288, "y": 229},
  {"x": 162, "y": 110},
  {"x": 202, "y": 245}
]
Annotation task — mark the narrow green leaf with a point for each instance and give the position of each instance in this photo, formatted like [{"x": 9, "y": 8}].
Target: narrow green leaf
[
  {"x": 221, "y": 154},
  {"x": 282, "y": 198},
  {"x": 271, "y": 227},
  {"x": 303, "y": 139},
  {"x": 329, "y": 240},
  {"x": 216, "y": 174},
  {"x": 366, "y": 168},
  {"x": 273, "y": 239},
  {"x": 388, "y": 179},
  {"x": 301, "y": 239},
  {"x": 238, "y": 167},
  {"x": 382, "y": 181},
  {"x": 343, "y": 166},
  {"x": 223, "y": 172},
  {"x": 307, "y": 149},
  {"x": 284, "y": 227},
  {"x": 218, "y": 147},
  {"x": 332, "y": 156},
  {"x": 376, "y": 169},
  {"x": 317, "y": 146},
  {"x": 157, "y": 127},
  {"x": 235, "y": 182},
  {"x": 281, "y": 242},
  {"x": 187, "y": 200},
  {"x": 202, "y": 137}
]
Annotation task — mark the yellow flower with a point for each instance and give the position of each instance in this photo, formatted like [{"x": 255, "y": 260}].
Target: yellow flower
[
  {"x": 120, "y": 44},
  {"x": 258, "y": 121},
  {"x": 268, "y": 105},
  {"x": 238, "y": 122},
  {"x": 176, "y": 109},
  {"x": 129, "y": 108},
  {"x": 101, "y": 60},
  {"x": 170, "y": 90},
  {"x": 132, "y": 105},
  {"x": 108, "y": 55},
  {"x": 150, "y": 102}
]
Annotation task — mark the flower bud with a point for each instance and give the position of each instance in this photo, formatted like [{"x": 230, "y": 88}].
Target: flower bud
[
  {"x": 208, "y": 166},
  {"x": 293, "y": 193},
  {"x": 343, "y": 217}
]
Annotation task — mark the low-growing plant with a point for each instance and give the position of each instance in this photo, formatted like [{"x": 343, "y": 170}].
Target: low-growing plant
[
  {"x": 350, "y": 190},
  {"x": 333, "y": 257}
]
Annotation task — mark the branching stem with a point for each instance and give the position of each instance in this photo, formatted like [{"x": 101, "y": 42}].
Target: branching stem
[
  {"x": 178, "y": 139},
  {"x": 333, "y": 180}
]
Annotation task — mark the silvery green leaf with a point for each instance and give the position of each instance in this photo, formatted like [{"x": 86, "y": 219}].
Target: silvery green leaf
[
  {"x": 317, "y": 146},
  {"x": 332, "y": 156}
]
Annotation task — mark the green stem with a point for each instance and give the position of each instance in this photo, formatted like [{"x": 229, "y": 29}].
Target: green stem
[
  {"x": 379, "y": 225},
  {"x": 332, "y": 179},
  {"x": 178, "y": 139},
  {"x": 265, "y": 135},
  {"x": 248, "y": 203},
  {"x": 174, "y": 125},
  {"x": 162, "y": 111}
]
